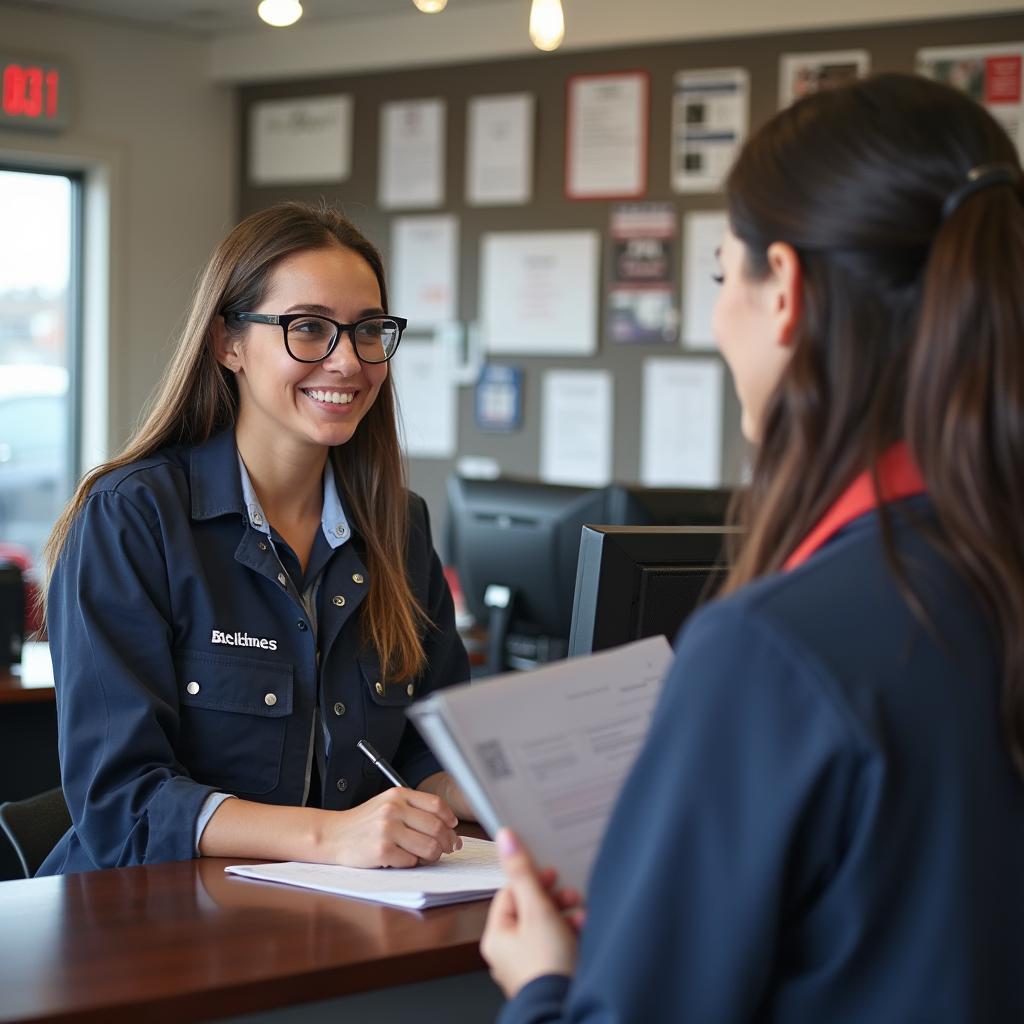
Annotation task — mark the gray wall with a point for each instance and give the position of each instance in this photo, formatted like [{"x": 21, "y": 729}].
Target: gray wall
[{"x": 891, "y": 48}]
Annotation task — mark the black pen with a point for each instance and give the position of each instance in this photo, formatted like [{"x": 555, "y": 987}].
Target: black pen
[{"x": 381, "y": 765}]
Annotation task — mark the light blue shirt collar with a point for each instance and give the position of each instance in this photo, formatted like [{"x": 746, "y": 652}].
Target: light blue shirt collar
[{"x": 332, "y": 520}]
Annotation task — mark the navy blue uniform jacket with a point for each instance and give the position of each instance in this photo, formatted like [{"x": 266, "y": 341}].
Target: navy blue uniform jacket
[
  {"x": 824, "y": 826},
  {"x": 185, "y": 665}
]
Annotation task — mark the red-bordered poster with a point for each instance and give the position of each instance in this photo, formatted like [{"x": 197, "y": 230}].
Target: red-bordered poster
[{"x": 606, "y": 135}]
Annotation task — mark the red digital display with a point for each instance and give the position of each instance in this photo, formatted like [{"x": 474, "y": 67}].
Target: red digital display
[{"x": 32, "y": 93}]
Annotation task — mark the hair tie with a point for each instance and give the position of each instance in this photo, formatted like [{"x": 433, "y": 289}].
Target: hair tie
[{"x": 978, "y": 178}]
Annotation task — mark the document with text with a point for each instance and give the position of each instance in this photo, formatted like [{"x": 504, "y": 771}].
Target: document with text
[{"x": 547, "y": 752}]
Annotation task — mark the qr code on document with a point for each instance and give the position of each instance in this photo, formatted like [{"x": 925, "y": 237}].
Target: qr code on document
[{"x": 495, "y": 759}]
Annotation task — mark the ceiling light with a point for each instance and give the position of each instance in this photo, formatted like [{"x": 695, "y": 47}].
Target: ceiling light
[
  {"x": 280, "y": 13},
  {"x": 430, "y": 6},
  {"x": 547, "y": 24}
]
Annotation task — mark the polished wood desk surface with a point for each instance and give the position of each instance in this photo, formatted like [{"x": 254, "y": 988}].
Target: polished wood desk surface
[
  {"x": 14, "y": 691},
  {"x": 184, "y": 941}
]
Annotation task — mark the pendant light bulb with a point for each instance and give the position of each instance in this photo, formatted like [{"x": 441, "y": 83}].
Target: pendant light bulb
[
  {"x": 280, "y": 13},
  {"x": 547, "y": 24},
  {"x": 430, "y": 6}
]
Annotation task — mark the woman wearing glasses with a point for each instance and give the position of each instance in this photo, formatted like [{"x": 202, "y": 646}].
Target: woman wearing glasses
[
  {"x": 248, "y": 590},
  {"x": 827, "y": 820}
]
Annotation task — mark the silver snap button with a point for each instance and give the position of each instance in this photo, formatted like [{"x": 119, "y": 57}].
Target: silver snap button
[
  {"x": 262, "y": 546},
  {"x": 339, "y": 709},
  {"x": 379, "y": 687},
  {"x": 257, "y": 519},
  {"x": 270, "y": 700},
  {"x": 410, "y": 689},
  {"x": 339, "y": 531},
  {"x": 357, "y": 577},
  {"x": 342, "y": 785},
  {"x": 193, "y": 687},
  {"x": 282, "y": 579},
  {"x": 338, "y": 601}
]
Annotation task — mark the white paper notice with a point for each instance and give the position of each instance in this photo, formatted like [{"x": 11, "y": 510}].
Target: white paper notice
[
  {"x": 576, "y": 427},
  {"x": 710, "y": 112},
  {"x": 991, "y": 75},
  {"x": 412, "y": 154},
  {"x": 297, "y": 141},
  {"x": 540, "y": 292},
  {"x": 607, "y": 155},
  {"x": 682, "y": 423},
  {"x": 499, "y": 151},
  {"x": 424, "y": 261},
  {"x": 702, "y": 236},
  {"x": 426, "y": 399},
  {"x": 803, "y": 73}
]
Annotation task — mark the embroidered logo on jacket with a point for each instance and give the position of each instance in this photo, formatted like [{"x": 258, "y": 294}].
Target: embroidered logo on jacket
[{"x": 242, "y": 640}]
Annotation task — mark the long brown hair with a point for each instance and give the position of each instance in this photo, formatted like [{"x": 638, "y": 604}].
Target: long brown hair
[
  {"x": 199, "y": 397},
  {"x": 912, "y": 327}
]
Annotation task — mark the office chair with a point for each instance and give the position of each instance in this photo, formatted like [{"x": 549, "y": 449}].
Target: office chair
[{"x": 34, "y": 825}]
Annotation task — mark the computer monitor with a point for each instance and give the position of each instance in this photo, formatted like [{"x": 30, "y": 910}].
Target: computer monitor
[
  {"x": 514, "y": 544},
  {"x": 635, "y": 581},
  {"x": 633, "y": 505}
]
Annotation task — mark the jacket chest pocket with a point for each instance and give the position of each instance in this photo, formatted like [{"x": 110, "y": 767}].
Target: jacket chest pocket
[
  {"x": 385, "y": 704},
  {"x": 234, "y": 716}
]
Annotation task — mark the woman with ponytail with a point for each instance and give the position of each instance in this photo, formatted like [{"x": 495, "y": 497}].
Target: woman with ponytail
[
  {"x": 248, "y": 590},
  {"x": 827, "y": 820}
]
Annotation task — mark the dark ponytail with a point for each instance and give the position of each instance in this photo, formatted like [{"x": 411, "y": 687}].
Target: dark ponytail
[
  {"x": 912, "y": 327},
  {"x": 965, "y": 413}
]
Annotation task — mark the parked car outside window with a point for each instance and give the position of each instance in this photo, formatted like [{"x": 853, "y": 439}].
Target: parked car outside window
[{"x": 33, "y": 452}]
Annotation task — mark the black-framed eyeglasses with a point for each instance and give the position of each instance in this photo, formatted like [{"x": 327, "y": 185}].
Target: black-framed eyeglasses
[{"x": 311, "y": 339}]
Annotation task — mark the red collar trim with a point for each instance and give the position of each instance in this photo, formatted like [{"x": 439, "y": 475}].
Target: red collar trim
[{"x": 898, "y": 477}]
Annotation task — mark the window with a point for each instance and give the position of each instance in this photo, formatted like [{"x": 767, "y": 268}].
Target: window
[{"x": 39, "y": 300}]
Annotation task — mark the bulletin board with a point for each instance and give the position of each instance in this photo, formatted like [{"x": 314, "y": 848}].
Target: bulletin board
[{"x": 545, "y": 77}]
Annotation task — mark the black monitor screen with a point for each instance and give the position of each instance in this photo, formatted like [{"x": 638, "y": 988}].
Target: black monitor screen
[
  {"x": 633, "y": 505},
  {"x": 524, "y": 535},
  {"x": 634, "y": 582}
]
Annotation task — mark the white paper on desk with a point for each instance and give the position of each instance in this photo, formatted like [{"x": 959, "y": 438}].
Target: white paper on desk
[
  {"x": 424, "y": 261},
  {"x": 682, "y": 423},
  {"x": 412, "y": 154},
  {"x": 472, "y": 873},
  {"x": 539, "y": 292},
  {"x": 607, "y": 127},
  {"x": 702, "y": 236},
  {"x": 547, "y": 752},
  {"x": 302, "y": 140},
  {"x": 426, "y": 398},
  {"x": 36, "y": 664},
  {"x": 499, "y": 150},
  {"x": 576, "y": 427}
]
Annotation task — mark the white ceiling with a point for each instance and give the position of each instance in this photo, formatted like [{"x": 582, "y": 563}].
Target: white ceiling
[{"x": 219, "y": 16}]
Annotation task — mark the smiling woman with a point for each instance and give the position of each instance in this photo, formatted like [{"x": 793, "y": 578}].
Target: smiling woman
[{"x": 261, "y": 505}]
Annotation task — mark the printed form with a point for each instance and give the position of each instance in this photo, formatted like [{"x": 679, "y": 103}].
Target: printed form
[{"x": 547, "y": 752}]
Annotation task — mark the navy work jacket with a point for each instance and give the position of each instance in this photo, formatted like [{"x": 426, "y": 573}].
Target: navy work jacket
[
  {"x": 824, "y": 825},
  {"x": 185, "y": 663}
]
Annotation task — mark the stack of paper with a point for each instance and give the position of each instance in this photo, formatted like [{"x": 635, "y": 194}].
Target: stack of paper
[{"x": 471, "y": 873}]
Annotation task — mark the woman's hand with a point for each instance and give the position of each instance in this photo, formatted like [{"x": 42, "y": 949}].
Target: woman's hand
[
  {"x": 398, "y": 828},
  {"x": 443, "y": 785},
  {"x": 531, "y": 927}
]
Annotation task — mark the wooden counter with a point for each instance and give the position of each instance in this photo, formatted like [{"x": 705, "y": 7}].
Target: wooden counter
[{"x": 183, "y": 941}]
